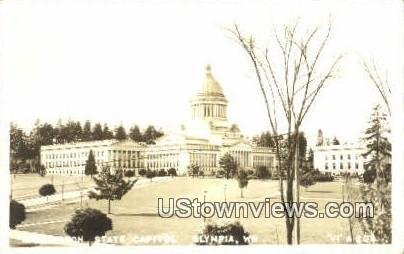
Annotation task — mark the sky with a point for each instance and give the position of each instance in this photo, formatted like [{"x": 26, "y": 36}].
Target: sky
[{"x": 129, "y": 63}]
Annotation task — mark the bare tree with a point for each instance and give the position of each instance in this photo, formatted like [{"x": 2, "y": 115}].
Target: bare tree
[
  {"x": 379, "y": 80},
  {"x": 290, "y": 78}
]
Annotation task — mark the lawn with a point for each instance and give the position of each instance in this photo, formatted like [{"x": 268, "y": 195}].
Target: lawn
[{"x": 136, "y": 213}]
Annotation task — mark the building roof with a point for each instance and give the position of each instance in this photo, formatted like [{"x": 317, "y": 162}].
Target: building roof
[
  {"x": 210, "y": 87},
  {"x": 89, "y": 144}
]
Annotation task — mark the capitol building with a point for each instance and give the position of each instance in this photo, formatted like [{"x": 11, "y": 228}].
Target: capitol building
[{"x": 202, "y": 141}]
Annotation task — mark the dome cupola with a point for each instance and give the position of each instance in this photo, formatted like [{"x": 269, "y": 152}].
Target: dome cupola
[{"x": 210, "y": 102}]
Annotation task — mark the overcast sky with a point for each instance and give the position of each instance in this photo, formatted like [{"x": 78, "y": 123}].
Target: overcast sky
[{"x": 128, "y": 63}]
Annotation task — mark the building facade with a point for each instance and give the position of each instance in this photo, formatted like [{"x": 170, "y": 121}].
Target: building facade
[
  {"x": 202, "y": 141},
  {"x": 337, "y": 159},
  {"x": 206, "y": 137},
  {"x": 70, "y": 159}
]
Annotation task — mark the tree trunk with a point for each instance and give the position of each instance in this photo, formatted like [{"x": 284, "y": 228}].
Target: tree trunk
[
  {"x": 109, "y": 206},
  {"x": 241, "y": 189},
  {"x": 290, "y": 221},
  {"x": 289, "y": 229}
]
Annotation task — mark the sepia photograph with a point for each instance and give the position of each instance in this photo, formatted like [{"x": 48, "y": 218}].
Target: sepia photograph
[{"x": 202, "y": 123}]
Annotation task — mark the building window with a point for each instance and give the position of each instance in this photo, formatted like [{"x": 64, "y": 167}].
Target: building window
[
  {"x": 333, "y": 166},
  {"x": 333, "y": 156},
  {"x": 341, "y": 157},
  {"x": 349, "y": 156},
  {"x": 356, "y": 165},
  {"x": 349, "y": 165},
  {"x": 341, "y": 166},
  {"x": 326, "y": 166}
]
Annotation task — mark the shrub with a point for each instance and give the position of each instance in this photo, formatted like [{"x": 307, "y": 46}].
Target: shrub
[
  {"x": 129, "y": 173},
  {"x": 369, "y": 176},
  {"x": 250, "y": 172},
  {"x": 151, "y": 174},
  {"x": 220, "y": 173},
  {"x": 41, "y": 170},
  {"x": 17, "y": 213},
  {"x": 162, "y": 172},
  {"x": 172, "y": 172},
  {"x": 307, "y": 180},
  {"x": 201, "y": 173},
  {"x": 88, "y": 223},
  {"x": 227, "y": 234},
  {"x": 263, "y": 173},
  {"x": 323, "y": 178},
  {"x": 47, "y": 190},
  {"x": 142, "y": 172}
]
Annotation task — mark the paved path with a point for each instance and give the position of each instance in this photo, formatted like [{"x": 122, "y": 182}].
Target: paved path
[{"x": 39, "y": 202}]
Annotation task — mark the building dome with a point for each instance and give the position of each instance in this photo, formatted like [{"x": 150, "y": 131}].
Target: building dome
[
  {"x": 209, "y": 103},
  {"x": 210, "y": 87}
]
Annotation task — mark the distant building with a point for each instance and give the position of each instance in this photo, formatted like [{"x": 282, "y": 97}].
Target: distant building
[
  {"x": 206, "y": 137},
  {"x": 336, "y": 159},
  {"x": 203, "y": 140},
  {"x": 70, "y": 159}
]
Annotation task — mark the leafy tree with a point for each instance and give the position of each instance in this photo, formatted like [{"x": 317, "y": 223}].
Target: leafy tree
[
  {"x": 151, "y": 174},
  {"x": 19, "y": 143},
  {"x": 265, "y": 140},
  {"x": 17, "y": 213},
  {"x": 142, "y": 172},
  {"x": 307, "y": 179},
  {"x": 172, "y": 172},
  {"x": 87, "y": 134},
  {"x": 377, "y": 145},
  {"x": 135, "y": 134},
  {"x": 310, "y": 158},
  {"x": 151, "y": 134},
  {"x": 107, "y": 133},
  {"x": 302, "y": 146},
  {"x": 228, "y": 164},
  {"x": 242, "y": 179},
  {"x": 72, "y": 132},
  {"x": 232, "y": 231},
  {"x": 193, "y": 170},
  {"x": 91, "y": 167},
  {"x": 42, "y": 134},
  {"x": 120, "y": 133},
  {"x": 88, "y": 224},
  {"x": 97, "y": 133},
  {"x": 263, "y": 172},
  {"x": 47, "y": 190},
  {"x": 110, "y": 186},
  {"x": 377, "y": 175}
]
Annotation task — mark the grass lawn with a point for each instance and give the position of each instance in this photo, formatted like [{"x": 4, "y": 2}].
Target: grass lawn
[{"x": 136, "y": 213}]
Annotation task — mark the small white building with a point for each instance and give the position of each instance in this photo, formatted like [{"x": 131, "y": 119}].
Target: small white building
[{"x": 337, "y": 159}]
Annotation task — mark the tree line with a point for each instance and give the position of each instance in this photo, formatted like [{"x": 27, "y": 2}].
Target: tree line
[{"x": 26, "y": 146}]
